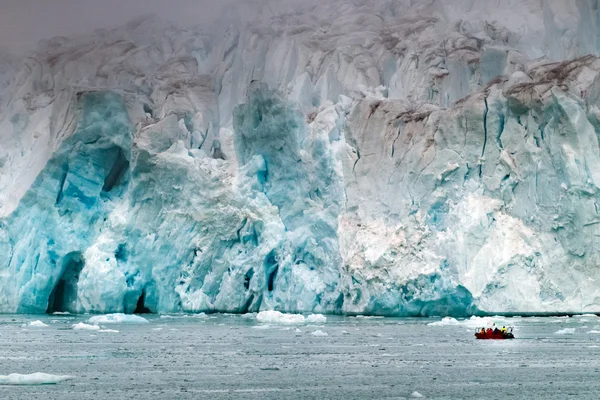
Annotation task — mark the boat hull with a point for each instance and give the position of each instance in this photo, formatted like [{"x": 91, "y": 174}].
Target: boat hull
[{"x": 494, "y": 336}]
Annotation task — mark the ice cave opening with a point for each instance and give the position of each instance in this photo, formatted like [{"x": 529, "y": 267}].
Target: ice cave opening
[
  {"x": 140, "y": 307},
  {"x": 64, "y": 295}
]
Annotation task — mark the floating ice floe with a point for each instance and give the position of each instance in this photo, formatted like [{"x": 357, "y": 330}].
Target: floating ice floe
[
  {"x": 37, "y": 324},
  {"x": 319, "y": 333},
  {"x": 82, "y": 326},
  {"x": 473, "y": 322},
  {"x": 416, "y": 395},
  {"x": 167, "y": 316},
  {"x": 566, "y": 331},
  {"x": 276, "y": 317},
  {"x": 316, "y": 318},
  {"x": 37, "y": 378},
  {"x": 117, "y": 319}
]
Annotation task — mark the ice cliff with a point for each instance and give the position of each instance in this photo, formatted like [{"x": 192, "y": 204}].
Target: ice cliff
[{"x": 383, "y": 157}]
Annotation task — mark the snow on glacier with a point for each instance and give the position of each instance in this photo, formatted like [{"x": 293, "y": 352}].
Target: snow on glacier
[{"x": 413, "y": 159}]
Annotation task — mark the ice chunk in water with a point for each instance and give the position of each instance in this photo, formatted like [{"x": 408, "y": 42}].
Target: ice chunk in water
[
  {"x": 37, "y": 378},
  {"x": 81, "y": 326},
  {"x": 37, "y": 324},
  {"x": 117, "y": 319},
  {"x": 276, "y": 317},
  {"x": 316, "y": 318},
  {"x": 566, "y": 331}
]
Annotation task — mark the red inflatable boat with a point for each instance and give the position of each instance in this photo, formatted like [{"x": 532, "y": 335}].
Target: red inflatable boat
[{"x": 496, "y": 336}]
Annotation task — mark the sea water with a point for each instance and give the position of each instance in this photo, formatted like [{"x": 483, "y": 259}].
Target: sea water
[{"x": 233, "y": 356}]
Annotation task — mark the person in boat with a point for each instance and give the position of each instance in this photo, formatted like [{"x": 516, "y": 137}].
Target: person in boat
[
  {"x": 503, "y": 330},
  {"x": 496, "y": 330},
  {"x": 489, "y": 331},
  {"x": 482, "y": 331}
]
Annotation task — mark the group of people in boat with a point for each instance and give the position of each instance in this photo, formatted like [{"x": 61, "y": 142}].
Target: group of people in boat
[
  {"x": 502, "y": 330},
  {"x": 495, "y": 333}
]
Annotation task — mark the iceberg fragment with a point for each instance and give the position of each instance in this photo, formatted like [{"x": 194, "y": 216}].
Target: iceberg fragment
[
  {"x": 117, "y": 319},
  {"x": 316, "y": 319},
  {"x": 276, "y": 317},
  {"x": 37, "y": 378},
  {"x": 566, "y": 331},
  {"x": 37, "y": 324},
  {"x": 82, "y": 326}
]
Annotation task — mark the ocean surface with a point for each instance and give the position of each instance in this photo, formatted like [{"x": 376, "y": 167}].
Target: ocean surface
[{"x": 235, "y": 357}]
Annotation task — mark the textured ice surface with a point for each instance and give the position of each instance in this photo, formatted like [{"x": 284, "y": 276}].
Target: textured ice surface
[
  {"x": 81, "y": 326},
  {"x": 37, "y": 324},
  {"x": 37, "y": 378},
  {"x": 276, "y": 317},
  {"x": 117, "y": 319},
  {"x": 316, "y": 319},
  {"x": 414, "y": 158},
  {"x": 566, "y": 331},
  {"x": 473, "y": 322}
]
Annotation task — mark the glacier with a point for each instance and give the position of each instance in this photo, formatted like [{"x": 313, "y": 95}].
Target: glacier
[{"x": 402, "y": 158}]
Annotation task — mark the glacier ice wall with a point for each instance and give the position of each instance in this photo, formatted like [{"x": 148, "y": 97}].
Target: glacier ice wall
[{"x": 397, "y": 158}]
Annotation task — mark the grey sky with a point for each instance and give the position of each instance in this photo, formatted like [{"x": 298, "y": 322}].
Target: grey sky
[{"x": 24, "y": 22}]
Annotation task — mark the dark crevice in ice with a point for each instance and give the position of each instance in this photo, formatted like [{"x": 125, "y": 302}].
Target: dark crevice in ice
[
  {"x": 248, "y": 278},
  {"x": 485, "y": 113},
  {"x": 141, "y": 308},
  {"x": 63, "y": 179},
  {"x": 271, "y": 268},
  {"x": 64, "y": 295},
  {"x": 120, "y": 166}
]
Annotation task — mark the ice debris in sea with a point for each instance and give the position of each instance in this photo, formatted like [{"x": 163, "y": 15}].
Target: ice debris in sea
[
  {"x": 566, "y": 331},
  {"x": 316, "y": 318},
  {"x": 38, "y": 324},
  {"x": 82, "y": 326},
  {"x": 117, "y": 319},
  {"x": 276, "y": 317},
  {"x": 37, "y": 378},
  {"x": 473, "y": 322}
]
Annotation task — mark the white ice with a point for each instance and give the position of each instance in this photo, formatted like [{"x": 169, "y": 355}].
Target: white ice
[
  {"x": 117, "y": 319},
  {"x": 566, "y": 331},
  {"x": 473, "y": 322},
  {"x": 316, "y": 318},
  {"x": 37, "y": 324},
  {"x": 37, "y": 378},
  {"x": 276, "y": 317},
  {"x": 81, "y": 326}
]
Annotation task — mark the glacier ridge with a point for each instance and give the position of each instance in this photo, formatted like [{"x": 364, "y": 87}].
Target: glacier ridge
[{"x": 394, "y": 158}]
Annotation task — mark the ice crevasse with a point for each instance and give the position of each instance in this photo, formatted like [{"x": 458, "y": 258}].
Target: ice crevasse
[{"x": 391, "y": 158}]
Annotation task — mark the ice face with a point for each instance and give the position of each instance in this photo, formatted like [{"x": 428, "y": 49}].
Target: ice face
[{"x": 414, "y": 159}]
